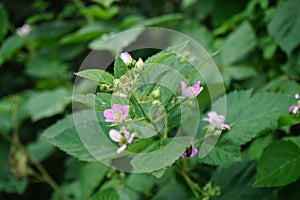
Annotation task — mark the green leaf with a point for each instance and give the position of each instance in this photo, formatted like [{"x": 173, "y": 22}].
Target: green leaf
[
  {"x": 120, "y": 68},
  {"x": 48, "y": 33},
  {"x": 248, "y": 116},
  {"x": 98, "y": 12},
  {"x": 115, "y": 42},
  {"x": 64, "y": 135},
  {"x": 138, "y": 183},
  {"x": 87, "y": 180},
  {"x": 257, "y": 147},
  {"x": 224, "y": 152},
  {"x": 159, "y": 173},
  {"x": 172, "y": 190},
  {"x": 47, "y": 103},
  {"x": 288, "y": 120},
  {"x": 45, "y": 67},
  {"x": 284, "y": 26},
  {"x": 240, "y": 72},
  {"x": 159, "y": 157},
  {"x": 238, "y": 44},
  {"x": 107, "y": 194},
  {"x": 279, "y": 165},
  {"x": 295, "y": 139},
  {"x": 9, "y": 47},
  {"x": 4, "y": 22},
  {"x": 159, "y": 20},
  {"x": 235, "y": 182},
  {"x": 97, "y": 75},
  {"x": 100, "y": 102},
  {"x": 88, "y": 32},
  {"x": 40, "y": 150}
]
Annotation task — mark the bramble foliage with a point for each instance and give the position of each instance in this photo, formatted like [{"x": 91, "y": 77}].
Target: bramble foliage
[{"x": 54, "y": 131}]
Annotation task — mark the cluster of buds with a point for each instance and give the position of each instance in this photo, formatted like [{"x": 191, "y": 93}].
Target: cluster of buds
[
  {"x": 123, "y": 85},
  {"x": 294, "y": 109},
  {"x": 210, "y": 191}
]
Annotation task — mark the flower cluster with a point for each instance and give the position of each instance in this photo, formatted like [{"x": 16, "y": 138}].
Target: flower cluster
[
  {"x": 294, "y": 109},
  {"x": 119, "y": 114}
]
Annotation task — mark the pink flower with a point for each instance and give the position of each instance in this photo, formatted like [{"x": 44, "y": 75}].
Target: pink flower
[
  {"x": 117, "y": 114},
  {"x": 296, "y": 107},
  {"x": 191, "y": 91},
  {"x": 122, "y": 136},
  {"x": 217, "y": 120},
  {"x": 189, "y": 152},
  {"x": 126, "y": 57}
]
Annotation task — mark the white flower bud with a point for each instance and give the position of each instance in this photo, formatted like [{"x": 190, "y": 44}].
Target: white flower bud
[{"x": 139, "y": 63}]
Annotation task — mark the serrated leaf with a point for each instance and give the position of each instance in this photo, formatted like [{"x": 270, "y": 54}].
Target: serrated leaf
[
  {"x": 224, "y": 152},
  {"x": 279, "y": 165},
  {"x": 239, "y": 44},
  {"x": 64, "y": 135},
  {"x": 120, "y": 68},
  {"x": 250, "y": 115},
  {"x": 47, "y": 103},
  {"x": 97, "y": 75},
  {"x": 284, "y": 26}
]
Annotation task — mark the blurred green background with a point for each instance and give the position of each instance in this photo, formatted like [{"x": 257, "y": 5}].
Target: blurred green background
[{"x": 255, "y": 44}]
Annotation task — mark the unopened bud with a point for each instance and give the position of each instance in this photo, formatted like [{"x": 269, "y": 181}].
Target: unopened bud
[
  {"x": 156, "y": 102},
  {"x": 139, "y": 64},
  {"x": 105, "y": 88},
  {"x": 126, "y": 57},
  {"x": 155, "y": 93}
]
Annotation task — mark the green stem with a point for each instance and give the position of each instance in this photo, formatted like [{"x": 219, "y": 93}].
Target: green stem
[
  {"x": 190, "y": 183},
  {"x": 141, "y": 108}
]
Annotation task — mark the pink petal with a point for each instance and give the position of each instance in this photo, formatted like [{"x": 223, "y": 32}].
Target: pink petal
[
  {"x": 183, "y": 155},
  {"x": 122, "y": 148},
  {"x": 109, "y": 115},
  {"x": 183, "y": 87},
  {"x": 126, "y": 57},
  {"x": 130, "y": 139},
  {"x": 197, "y": 88},
  {"x": 115, "y": 135},
  {"x": 225, "y": 127},
  {"x": 206, "y": 119},
  {"x": 194, "y": 152}
]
